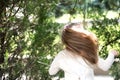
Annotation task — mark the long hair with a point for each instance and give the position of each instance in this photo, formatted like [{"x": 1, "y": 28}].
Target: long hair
[{"x": 80, "y": 43}]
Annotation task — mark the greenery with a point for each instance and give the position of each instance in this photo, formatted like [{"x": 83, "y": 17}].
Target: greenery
[{"x": 30, "y": 35}]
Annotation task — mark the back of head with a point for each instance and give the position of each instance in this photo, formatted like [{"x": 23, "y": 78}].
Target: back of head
[{"x": 80, "y": 42}]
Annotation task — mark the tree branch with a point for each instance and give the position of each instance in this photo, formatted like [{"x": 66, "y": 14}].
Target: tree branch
[{"x": 110, "y": 42}]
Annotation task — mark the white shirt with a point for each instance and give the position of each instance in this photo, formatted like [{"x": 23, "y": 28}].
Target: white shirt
[{"x": 76, "y": 68}]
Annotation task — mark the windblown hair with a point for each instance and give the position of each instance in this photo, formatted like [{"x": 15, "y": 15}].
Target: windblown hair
[{"x": 80, "y": 43}]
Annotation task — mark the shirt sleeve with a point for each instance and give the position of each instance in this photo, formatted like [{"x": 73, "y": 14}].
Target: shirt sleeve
[
  {"x": 107, "y": 63},
  {"x": 54, "y": 67}
]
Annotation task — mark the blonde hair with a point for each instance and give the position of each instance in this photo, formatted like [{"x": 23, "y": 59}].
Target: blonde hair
[{"x": 78, "y": 42}]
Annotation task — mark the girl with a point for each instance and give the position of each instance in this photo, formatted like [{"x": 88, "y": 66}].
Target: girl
[{"x": 79, "y": 58}]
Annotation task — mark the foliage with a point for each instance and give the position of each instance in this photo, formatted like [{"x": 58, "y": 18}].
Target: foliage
[
  {"x": 108, "y": 32},
  {"x": 29, "y": 35}
]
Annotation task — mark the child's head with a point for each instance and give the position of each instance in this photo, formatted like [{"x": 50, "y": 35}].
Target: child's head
[{"x": 78, "y": 40}]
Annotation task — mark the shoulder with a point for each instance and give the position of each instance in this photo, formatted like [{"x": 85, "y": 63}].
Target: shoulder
[{"x": 60, "y": 54}]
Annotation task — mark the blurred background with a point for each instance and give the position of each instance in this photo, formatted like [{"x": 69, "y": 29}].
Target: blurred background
[{"x": 30, "y": 34}]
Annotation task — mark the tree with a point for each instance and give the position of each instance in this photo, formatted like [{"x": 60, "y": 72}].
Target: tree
[{"x": 29, "y": 35}]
